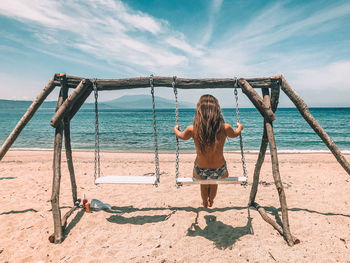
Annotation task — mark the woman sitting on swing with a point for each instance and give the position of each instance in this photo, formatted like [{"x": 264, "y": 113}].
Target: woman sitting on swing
[{"x": 209, "y": 132}]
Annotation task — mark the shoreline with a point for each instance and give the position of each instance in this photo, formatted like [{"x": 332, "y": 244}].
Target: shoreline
[{"x": 344, "y": 152}]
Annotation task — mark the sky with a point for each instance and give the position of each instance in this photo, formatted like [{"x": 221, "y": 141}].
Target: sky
[{"x": 306, "y": 41}]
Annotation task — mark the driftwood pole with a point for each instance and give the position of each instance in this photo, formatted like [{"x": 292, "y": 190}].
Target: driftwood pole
[
  {"x": 27, "y": 116},
  {"x": 276, "y": 176},
  {"x": 181, "y": 83},
  {"x": 258, "y": 102},
  {"x": 69, "y": 102},
  {"x": 275, "y": 92},
  {"x": 272, "y": 222},
  {"x": 304, "y": 111},
  {"x": 67, "y": 141},
  {"x": 79, "y": 103},
  {"x": 56, "y": 212},
  {"x": 257, "y": 169}
]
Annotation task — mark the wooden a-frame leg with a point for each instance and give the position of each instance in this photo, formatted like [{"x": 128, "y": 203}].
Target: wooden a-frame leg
[
  {"x": 50, "y": 86},
  {"x": 304, "y": 111},
  {"x": 276, "y": 175},
  {"x": 257, "y": 169},
  {"x": 56, "y": 212},
  {"x": 285, "y": 231},
  {"x": 67, "y": 142},
  {"x": 277, "y": 178},
  {"x": 275, "y": 92}
]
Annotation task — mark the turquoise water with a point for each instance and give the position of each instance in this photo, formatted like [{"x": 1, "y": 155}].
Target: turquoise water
[{"x": 132, "y": 130}]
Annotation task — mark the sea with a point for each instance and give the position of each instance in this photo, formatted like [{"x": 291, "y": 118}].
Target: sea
[{"x": 123, "y": 130}]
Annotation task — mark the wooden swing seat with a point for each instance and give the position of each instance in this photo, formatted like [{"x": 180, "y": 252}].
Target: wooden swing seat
[
  {"x": 228, "y": 180},
  {"x": 126, "y": 180}
]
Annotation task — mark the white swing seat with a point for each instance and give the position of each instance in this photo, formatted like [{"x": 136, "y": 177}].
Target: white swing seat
[
  {"x": 126, "y": 180},
  {"x": 228, "y": 180}
]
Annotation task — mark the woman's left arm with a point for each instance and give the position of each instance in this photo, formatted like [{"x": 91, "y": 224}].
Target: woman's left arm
[{"x": 186, "y": 134}]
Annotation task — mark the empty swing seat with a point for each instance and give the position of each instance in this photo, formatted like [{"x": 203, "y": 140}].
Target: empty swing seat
[
  {"x": 126, "y": 180},
  {"x": 228, "y": 180}
]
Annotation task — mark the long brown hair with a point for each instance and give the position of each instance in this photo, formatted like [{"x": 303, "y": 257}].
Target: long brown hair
[{"x": 207, "y": 121}]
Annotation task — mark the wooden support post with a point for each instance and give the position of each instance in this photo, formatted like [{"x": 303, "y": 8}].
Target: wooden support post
[
  {"x": 69, "y": 213},
  {"x": 27, "y": 116},
  {"x": 272, "y": 222},
  {"x": 257, "y": 169},
  {"x": 304, "y": 111},
  {"x": 67, "y": 142},
  {"x": 274, "y": 103},
  {"x": 258, "y": 102},
  {"x": 56, "y": 212},
  {"x": 69, "y": 102},
  {"x": 277, "y": 178},
  {"x": 275, "y": 95},
  {"x": 267, "y": 219},
  {"x": 79, "y": 103}
]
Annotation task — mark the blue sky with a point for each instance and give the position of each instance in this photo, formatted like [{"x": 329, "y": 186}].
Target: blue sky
[{"x": 306, "y": 41}]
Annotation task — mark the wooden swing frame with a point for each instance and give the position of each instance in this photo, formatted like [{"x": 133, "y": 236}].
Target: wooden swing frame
[{"x": 68, "y": 106}]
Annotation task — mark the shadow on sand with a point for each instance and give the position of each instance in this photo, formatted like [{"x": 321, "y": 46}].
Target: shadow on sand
[
  {"x": 223, "y": 236},
  {"x": 7, "y": 178},
  {"x": 74, "y": 222},
  {"x": 141, "y": 220},
  {"x": 19, "y": 212}
]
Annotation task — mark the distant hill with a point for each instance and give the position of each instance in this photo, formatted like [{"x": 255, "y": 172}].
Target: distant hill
[
  {"x": 19, "y": 104},
  {"x": 124, "y": 102},
  {"x": 143, "y": 102}
]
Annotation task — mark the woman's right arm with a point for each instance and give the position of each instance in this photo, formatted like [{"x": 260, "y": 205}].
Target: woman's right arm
[
  {"x": 186, "y": 134},
  {"x": 230, "y": 132}
]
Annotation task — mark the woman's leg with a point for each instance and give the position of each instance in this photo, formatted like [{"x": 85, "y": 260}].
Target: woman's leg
[
  {"x": 204, "y": 190},
  {"x": 205, "y": 194},
  {"x": 213, "y": 189}
]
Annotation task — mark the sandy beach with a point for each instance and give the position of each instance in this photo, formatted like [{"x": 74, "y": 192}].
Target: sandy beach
[{"x": 149, "y": 224}]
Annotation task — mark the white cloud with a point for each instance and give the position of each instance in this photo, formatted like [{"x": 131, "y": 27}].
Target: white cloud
[
  {"x": 108, "y": 30},
  {"x": 135, "y": 43},
  {"x": 180, "y": 43},
  {"x": 327, "y": 78},
  {"x": 213, "y": 12}
]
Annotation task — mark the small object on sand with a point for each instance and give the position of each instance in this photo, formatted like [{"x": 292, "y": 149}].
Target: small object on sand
[
  {"x": 52, "y": 238},
  {"x": 87, "y": 208},
  {"x": 272, "y": 256},
  {"x": 84, "y": 201},
  {"x": 98, "y": 205}
]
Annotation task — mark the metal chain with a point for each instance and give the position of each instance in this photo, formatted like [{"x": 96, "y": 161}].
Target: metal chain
[
  {"x": 244, "y": 166},
  {"x": 156, "y": 156},
  {"x": 177, "y": 174},
  {"x": 97, "y": 172}
]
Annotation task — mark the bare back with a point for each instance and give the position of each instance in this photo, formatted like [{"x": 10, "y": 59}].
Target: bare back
[{"x": 214, "y": 155}]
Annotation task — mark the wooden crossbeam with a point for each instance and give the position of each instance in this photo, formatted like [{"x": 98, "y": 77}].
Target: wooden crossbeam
[{"x": 181, "y": 83}]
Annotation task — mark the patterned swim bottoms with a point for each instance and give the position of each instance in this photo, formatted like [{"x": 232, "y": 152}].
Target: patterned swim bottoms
[{"x": 206, "y": 173}]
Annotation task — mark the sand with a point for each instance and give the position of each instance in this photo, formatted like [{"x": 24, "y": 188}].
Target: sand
[{"x": 149, "y": 224}]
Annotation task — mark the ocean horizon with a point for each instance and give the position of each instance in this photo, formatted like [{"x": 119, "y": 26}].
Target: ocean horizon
[{"x": 131, "y": 130}]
